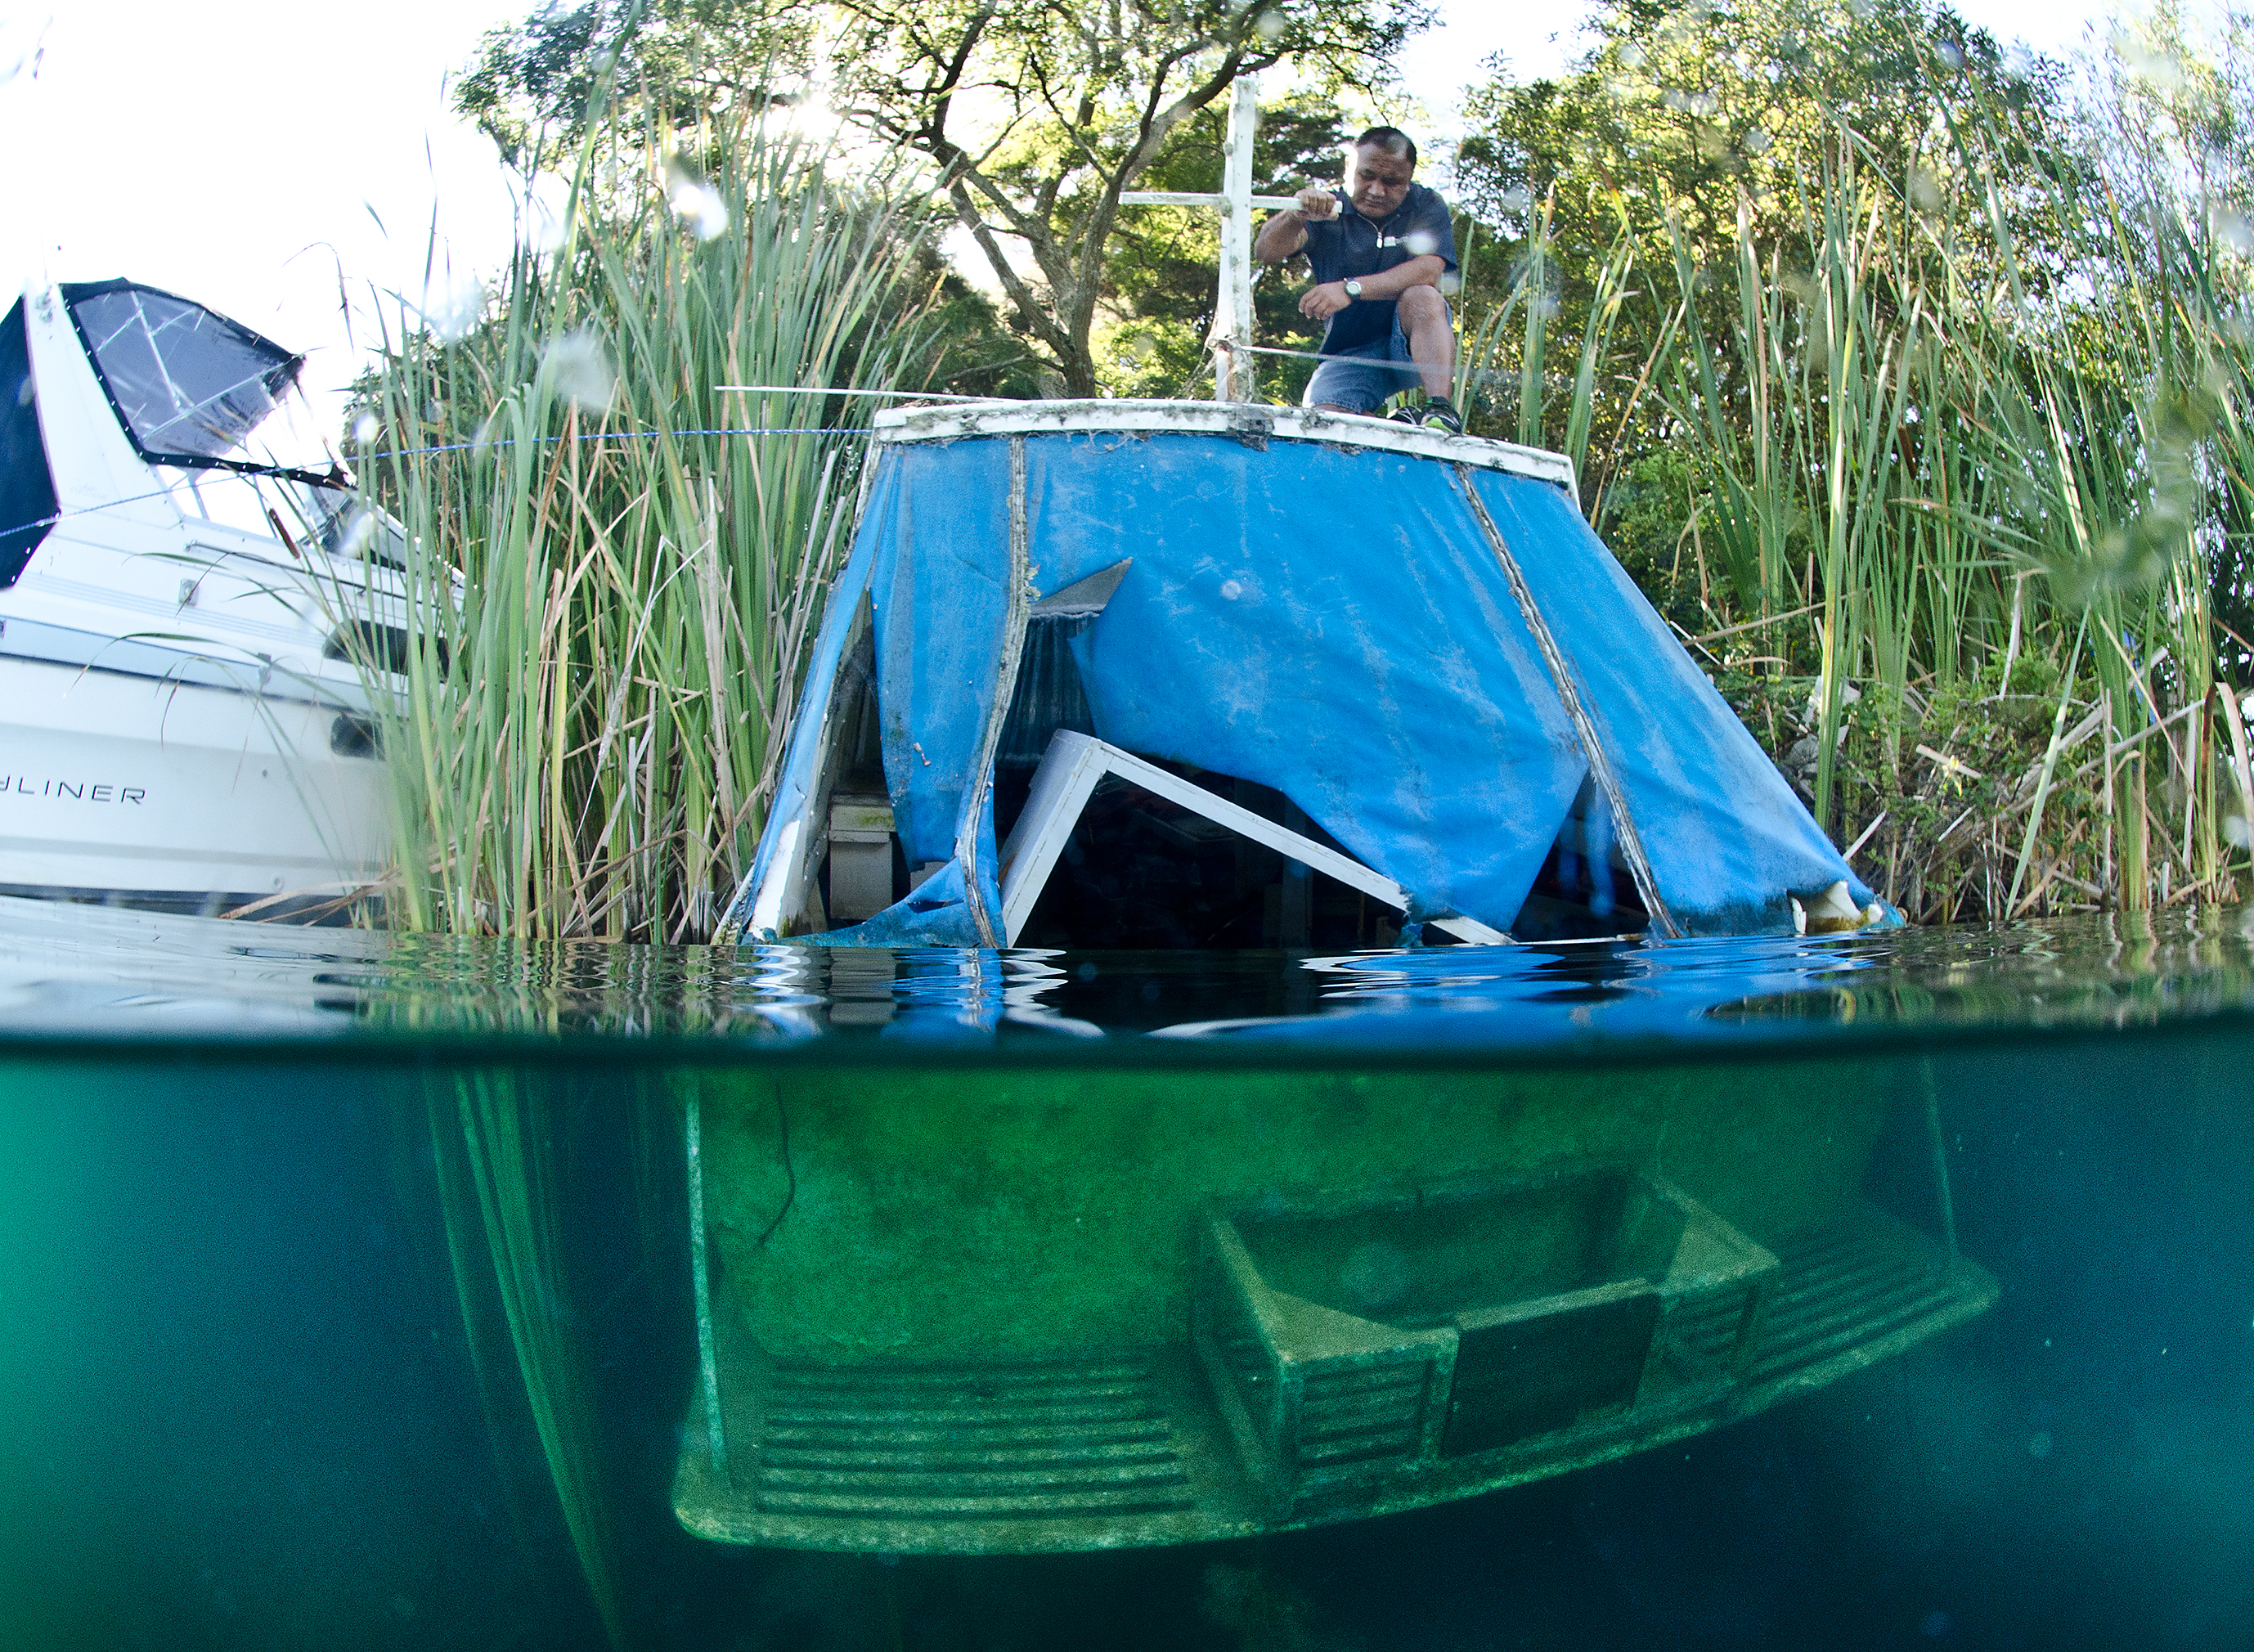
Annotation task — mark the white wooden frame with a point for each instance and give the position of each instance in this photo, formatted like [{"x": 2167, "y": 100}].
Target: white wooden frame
[{"x": 1075, "y": 764}]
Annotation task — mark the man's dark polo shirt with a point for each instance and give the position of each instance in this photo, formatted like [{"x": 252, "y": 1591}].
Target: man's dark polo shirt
[{"x": 1350, "y": 246}]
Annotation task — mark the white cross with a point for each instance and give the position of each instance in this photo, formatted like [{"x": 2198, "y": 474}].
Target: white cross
[{"x": 1232, "y": 319}]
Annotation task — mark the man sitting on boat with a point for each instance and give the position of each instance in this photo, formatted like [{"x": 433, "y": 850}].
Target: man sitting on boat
[{"x": 1378, "y": 249}]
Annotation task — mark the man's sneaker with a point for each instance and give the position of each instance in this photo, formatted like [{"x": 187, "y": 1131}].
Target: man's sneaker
[{"x": 1438, "y": 414}]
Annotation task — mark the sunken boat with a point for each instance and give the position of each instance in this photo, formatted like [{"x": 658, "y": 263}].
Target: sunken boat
[
  {"x": 1109, "y": 675},
  {"x": 1197, "y": 673}
]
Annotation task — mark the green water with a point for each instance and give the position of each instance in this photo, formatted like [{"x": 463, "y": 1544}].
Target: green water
[{"x": 348, "y": 1301}]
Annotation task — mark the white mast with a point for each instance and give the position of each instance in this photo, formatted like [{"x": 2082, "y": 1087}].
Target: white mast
[{"x": 1232, "y": 318}]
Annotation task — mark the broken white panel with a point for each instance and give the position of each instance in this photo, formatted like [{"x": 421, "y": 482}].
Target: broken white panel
[{"x": 1069, "y": 773}]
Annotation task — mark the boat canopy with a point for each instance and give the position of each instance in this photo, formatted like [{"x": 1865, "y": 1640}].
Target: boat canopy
[
  {"x": 27, "y": 487},
  {"x": 1415, "y": 639},
  {"x": 188, "y": 384}
]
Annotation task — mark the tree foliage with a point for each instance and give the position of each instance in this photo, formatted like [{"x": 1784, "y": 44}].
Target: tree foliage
[
  {"x": 1691, "y": 128},
  {"x": 1035, "y": 116},
  {"x": 666, "y": 67}
]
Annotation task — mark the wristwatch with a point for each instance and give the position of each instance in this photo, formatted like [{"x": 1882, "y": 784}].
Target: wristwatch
[{"x": 1352, "y": 290}]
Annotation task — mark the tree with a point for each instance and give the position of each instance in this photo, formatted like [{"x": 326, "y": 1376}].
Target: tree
[
  {"x": 1034, "y": 114},
  {"x": 1038, "y": 114},
  {"x": 671, "y": 65},
  {"x": 1692, "y": 123}
]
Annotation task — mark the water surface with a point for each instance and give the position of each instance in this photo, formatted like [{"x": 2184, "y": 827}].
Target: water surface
[{"x": 243, "y": 1410}]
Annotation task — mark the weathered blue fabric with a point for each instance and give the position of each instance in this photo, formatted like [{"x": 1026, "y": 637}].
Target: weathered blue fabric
[
  {"x": 939, "y": 587},
  {"x": 1329, "y": 621},
  {"x": 796, "y": 784},
  {"x": 1727, "y": 838}
]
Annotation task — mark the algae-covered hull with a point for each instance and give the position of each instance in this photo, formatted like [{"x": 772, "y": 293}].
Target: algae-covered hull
[{"x": 979, "y": 1310}]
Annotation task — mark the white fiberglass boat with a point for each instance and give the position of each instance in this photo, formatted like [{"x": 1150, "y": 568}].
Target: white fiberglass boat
[{"x": 185, "y": 581}]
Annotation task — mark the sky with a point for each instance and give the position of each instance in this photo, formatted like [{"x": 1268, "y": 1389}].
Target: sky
[{"x": 280, "y": 162}]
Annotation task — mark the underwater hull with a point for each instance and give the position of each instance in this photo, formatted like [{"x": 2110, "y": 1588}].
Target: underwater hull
[
  {"x": 146, "y": 792},
  {"x": 1062, "y": 1310}
]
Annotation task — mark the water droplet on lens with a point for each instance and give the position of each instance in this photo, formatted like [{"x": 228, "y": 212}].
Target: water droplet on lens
[
  {"x": 1270, "y": 25},
  {"x": 365, "y": 429},
  {"x": 695, "y": 201},
  {"x": 578, "y": 370},
  {"x": 453, "y": 311}
]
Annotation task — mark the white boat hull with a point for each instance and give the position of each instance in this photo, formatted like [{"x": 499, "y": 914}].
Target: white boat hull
[{"x": 142, "y": 791}]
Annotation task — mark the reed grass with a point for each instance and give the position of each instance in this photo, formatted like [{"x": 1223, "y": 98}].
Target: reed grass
[
  {"x": 1968, "y": 522},
  {"x": 612, "y": 587},
  {"x": 495, "y": 1148}
]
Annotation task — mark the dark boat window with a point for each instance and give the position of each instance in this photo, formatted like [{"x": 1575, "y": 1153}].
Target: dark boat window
[
  {"x": 27, "y": 490},
  {"x": 189, "y": 385},
  {"x": 1049, "y": 696},
  {"x": 1142, "y": 872},
  {"x": 1585, "y": 890}
]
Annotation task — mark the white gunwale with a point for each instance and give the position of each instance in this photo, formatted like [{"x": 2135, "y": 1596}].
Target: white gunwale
[{"x": 1239, "y": 419}]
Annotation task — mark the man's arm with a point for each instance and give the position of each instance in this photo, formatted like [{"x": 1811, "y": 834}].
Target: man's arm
[
  {"x": 1286, "y": 232},
  {"x": 1326, "y": 301}
]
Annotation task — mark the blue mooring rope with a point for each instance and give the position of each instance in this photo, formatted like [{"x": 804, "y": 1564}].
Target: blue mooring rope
[{"x": 466, "y": 447}]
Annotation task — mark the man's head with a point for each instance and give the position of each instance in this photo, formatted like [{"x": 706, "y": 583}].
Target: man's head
[{"x": 1384, "y": 161}]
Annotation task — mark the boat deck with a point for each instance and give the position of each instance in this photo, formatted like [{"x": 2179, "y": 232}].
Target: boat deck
[{"x": 1133, "y": 1448}]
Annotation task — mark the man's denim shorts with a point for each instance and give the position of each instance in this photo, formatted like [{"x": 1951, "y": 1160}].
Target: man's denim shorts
[{"x": 1360, "y": 380}]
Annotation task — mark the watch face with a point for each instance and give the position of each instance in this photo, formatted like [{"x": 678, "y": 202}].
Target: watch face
[{"x": 1354, "y": 288}]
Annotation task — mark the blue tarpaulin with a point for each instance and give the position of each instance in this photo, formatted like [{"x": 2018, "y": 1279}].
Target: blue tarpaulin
[{"x": 1337, "y": 622}]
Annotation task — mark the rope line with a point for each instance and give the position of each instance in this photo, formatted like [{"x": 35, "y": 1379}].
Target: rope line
[
  {"x": 624, "y": 436},
  {"x": 459, "y": 447},
  {"x": 1475, "y": 374}
]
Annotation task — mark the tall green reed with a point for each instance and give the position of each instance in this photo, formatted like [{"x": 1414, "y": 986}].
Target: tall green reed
[
  {"x": 1959, "y": 476},
  {"x": 1970, "y": 514},
  {"x": 614, "y": 566}
]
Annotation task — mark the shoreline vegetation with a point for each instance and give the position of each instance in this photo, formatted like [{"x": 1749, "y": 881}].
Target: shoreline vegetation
[
  {"x": 1915, "y": 394},
  {"x": 627, "y": 560}
]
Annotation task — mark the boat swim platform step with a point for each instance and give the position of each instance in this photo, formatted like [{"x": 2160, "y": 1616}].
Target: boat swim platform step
[{"x": 1133, "y": 1449}]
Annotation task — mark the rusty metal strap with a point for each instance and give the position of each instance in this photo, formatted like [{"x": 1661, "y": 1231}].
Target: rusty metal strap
[
  {"x": 1600, "y": 767},
  {"x": 1016, "y": 610}
]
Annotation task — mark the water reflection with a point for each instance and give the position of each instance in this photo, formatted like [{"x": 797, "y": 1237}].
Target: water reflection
[{"x": 80, "y": 970}]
